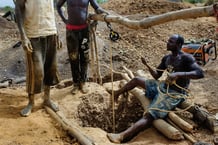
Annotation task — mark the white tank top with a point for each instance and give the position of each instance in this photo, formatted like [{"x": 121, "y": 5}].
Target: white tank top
[{"x": 39, "y": 18}]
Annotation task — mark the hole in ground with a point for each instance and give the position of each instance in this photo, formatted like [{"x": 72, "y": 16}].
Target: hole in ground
[{"x": 94, "y": 112}]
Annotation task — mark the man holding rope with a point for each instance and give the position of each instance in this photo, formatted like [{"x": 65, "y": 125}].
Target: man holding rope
[
  {"x": 77, "y": 37},
  {"x": 167, "y": 95},
  {"x": 36, "y": 23}
]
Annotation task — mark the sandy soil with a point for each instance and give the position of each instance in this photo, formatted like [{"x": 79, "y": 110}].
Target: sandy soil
[{"x": 92, "y": 112}]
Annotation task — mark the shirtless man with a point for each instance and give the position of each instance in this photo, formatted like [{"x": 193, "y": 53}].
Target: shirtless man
[
  {"x": 181, "y": 68},
  {"x": 77, "y": 37},
  {"x": 36, "y": 23}
]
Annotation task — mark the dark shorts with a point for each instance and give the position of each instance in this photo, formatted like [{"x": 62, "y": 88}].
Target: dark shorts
[
  {"x": 41, "y": 64},
  {"x": 161, "y": 101}
]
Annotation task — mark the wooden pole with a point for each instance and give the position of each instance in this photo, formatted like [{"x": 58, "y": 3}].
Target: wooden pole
[
  {"x": 70, "y": 127},
  {"x": 91, "y": 45},
  {"x": 156, "y": 20}
]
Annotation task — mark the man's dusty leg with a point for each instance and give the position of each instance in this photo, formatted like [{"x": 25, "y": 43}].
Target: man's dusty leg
[
  {"x": 27, "y": 110},
  {"x": 47, "y": 100},
  {"x": 129, "y": 86},
  {"x": 132, "y": 131}
]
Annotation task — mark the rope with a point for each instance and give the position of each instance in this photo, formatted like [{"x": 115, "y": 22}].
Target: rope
[
  {"x": 93, "y": 40},
  {"x": 112, "y": 71},
  {"x": 112, "y": 80},
  {"x": 176, "y": 96}
]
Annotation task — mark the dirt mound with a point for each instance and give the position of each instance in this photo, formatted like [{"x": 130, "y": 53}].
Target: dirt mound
[
  {"x": 9, "y": 34},
  {"x": 5, "y": 24},
  {"x": 144, "y": 7}
]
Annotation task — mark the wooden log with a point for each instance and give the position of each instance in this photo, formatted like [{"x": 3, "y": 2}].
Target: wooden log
[
  {"x": 187, "y": 136},
  {"x": 129, "y": 72},
  {"x": 142, "y": 73},
  {"x": 180, "y": 122},
  {"x": 70, "y": 127},
  {"x": 167, "y": 130},
  {"x": 125, "y": 76},
  {"x": 108, "y": 85},
  {"x": 156, "y": 20}
]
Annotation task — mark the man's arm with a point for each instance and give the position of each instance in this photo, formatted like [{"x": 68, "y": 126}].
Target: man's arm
[
  {"x": 97, "y": 8},
  {"x": 60, "y": 3},
  {"x": 155, "y": 74},
  {"x": 20, "y": 14},
  {"x": 195, "y": 71}
]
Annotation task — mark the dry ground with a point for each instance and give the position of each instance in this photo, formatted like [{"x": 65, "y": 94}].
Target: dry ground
[{"x": 93, "y": 111}]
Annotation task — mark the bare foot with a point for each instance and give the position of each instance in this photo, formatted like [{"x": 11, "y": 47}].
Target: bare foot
[
  {"x": 27, "y": 110},
  {"x": 75, "y": 89},
  {"x": 83, "y": 88},
  {"x": 115, "y": 138},
  {"x": 51, "y": 105}
]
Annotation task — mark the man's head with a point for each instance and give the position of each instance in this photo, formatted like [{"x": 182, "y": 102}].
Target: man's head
[{"x": 175, "y": 42}]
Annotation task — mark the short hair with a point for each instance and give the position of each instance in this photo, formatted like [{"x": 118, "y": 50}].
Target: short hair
[{"x": 180, "y": 39}]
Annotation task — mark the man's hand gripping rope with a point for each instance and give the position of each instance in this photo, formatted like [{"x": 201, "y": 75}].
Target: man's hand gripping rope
[{"x": 170, "y": 80}]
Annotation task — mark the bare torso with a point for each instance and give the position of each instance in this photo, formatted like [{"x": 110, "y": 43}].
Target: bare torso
[{"x": 77, "y": 10}]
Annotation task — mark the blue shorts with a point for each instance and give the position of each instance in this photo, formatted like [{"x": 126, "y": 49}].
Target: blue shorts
[{"x": 161, "y": 101}]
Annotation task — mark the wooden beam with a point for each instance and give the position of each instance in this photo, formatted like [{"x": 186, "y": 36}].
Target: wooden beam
[
  {"x": 155, "y": 20},
  {"x": 70, "y": 127}
]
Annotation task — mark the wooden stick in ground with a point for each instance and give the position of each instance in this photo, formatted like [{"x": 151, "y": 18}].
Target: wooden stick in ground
[
  {"x": 91, "y": 45},
  {"x": 70, "y": 127},
  {"x": 94, "y": 25}
]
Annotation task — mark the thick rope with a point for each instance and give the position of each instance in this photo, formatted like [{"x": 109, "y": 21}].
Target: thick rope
[{"x": 176, "y": 96}]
